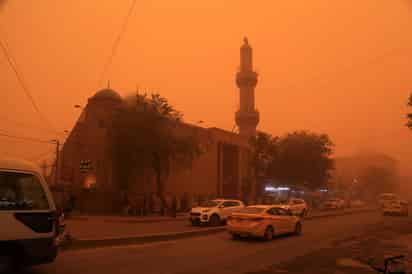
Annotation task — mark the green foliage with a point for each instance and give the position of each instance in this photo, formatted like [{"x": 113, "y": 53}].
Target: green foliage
[
  {"x": 143, "y": 137},
  {"x": 264, "y": 151},
  {"x": 304, "y": 157},
  {"x": 409, "y": 115},
  {"x": 297, "y": 158}
]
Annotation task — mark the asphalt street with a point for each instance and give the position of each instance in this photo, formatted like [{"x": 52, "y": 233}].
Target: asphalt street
[{"x": 218, "y": 253}]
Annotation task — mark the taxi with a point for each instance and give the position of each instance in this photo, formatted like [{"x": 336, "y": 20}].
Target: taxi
[{"x": 263, "y": 221}]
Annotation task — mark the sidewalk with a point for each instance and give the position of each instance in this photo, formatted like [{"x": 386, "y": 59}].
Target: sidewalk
[
  {"x": 107, "y": 227},
  {"x": 127, "y": 219},
  {"x": 104, "y": 227}
]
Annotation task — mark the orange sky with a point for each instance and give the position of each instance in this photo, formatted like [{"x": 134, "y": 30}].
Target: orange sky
[{"x": 339, "y": 67}]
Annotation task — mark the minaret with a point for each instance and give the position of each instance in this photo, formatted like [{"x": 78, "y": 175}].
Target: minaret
[{"x": 247, "y": 117}]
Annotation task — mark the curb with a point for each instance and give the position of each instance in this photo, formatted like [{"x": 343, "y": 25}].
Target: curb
[
  {"x": 76, "y": 244},
  {"x": 337, "y": 214},
  {"x": 180, "y": 218}
]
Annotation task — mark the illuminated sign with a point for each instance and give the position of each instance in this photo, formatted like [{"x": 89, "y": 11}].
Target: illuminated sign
[{"x": 276, "y": 189}]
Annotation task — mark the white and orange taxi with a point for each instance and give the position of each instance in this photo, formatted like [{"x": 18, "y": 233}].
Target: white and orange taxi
[{"x": 263, "y": 221}]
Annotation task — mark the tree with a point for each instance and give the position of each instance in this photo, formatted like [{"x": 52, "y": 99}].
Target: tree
[
  {"x": 144, "y": 137},
  {"x": 409, "y": 115},
  {"x": 264, "y": 149},
  {"x": 303, "y": 158}
]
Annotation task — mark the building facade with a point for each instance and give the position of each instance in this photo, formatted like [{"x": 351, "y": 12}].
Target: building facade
[{"x": 222, "y": 170}]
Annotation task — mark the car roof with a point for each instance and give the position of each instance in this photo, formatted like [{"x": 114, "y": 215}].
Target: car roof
[
  {"x": 267, "y": 206},
  {"x": 226, "y": 200},
  {"x": 19, "y": 165}
]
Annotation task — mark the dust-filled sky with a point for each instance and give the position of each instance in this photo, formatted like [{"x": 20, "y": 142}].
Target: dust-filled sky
[{"x": 337, "y": 67}]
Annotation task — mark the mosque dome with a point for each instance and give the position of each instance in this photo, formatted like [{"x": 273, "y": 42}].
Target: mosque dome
[{"x": 107, "y": 94}]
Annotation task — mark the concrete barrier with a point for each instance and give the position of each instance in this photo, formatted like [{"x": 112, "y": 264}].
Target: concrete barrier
[{"x": 73, "y": 244}]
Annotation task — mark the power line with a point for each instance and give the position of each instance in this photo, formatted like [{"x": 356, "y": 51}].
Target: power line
[
  {"x": 23, "y": 138},
  {"x": 116, "y": 42},
  {"x": 33, "y": 126},
  {"x": 39, "y": 156},
  {"x": 20, "y": 79}
]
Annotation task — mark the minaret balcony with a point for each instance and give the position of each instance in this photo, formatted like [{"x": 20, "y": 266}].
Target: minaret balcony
[
  {"x": 246, "y": 78},
  {"x": 247, "y": 118}
]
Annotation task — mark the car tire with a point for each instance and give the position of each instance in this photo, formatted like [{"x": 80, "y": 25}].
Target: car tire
[
  {"x": 303, "y": 213},
  {"x": 7, "y": 264},
  {"x": 268, "y": 236},
  {"x": 236, "y": 236},
  {"x": 298, "y": 229},
  {"x": 214, "y": 220}
]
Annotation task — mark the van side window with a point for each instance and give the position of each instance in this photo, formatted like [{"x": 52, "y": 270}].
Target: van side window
[{"x": 21, "y": 191}]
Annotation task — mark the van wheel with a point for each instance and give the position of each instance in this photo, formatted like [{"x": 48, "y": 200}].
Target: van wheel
[
  {"x": 268, "y": 234},
  {"x": 214, "y": 220},
  {"x": 235, "y": 236},
  {"x": 7, "y": 264},
  {"x": 298, "y": 229}
]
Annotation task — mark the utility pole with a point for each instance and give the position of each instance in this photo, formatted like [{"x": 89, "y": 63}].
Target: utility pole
[
  {"x": 44, "y": 168},
  {"x": 56, "y": 165}
]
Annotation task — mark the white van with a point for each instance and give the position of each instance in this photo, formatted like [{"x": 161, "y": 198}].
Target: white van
[{"x": 29, "y": 222}]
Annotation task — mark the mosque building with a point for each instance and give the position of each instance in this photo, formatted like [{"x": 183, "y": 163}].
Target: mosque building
[{"x": 223, "y": 170}]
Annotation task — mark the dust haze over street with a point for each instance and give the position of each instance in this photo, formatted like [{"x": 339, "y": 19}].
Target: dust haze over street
[{"x": 152, "y": 136}]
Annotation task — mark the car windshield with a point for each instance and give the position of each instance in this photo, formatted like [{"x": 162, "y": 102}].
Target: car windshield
[
  {"x": 21, "y": 191},
  {"x": 251, "y": 210},
  {"x": 388, "y": 197},
  {"x": 210, "y": 203}
]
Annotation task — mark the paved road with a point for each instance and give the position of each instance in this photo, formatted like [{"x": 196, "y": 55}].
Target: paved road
[
  {"x": 212, "y": 254},
  {"x": 99, "y": 227}
]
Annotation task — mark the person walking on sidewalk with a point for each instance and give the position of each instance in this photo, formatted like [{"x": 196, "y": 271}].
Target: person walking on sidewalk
[{"x": 174, "y": 206}]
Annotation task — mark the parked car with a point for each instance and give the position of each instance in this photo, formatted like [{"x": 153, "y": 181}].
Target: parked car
[
  {"x": 28, "y": 218},
  {"x": 357, "y": 204},
  {"x": 214, "y": 212},
  {"x": 335, "y": 203},
  {"x": 396, "y": 207},
  {"x": 385, "y": 198},
  {"x": 264, "y": 221},
  {"x": 298, "y": 206}
]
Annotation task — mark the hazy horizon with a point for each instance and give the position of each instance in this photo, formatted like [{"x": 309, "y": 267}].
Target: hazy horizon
[{"x": 339, "y": 68}]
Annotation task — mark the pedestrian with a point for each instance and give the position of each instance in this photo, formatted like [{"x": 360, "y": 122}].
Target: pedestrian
[
  {"x": 174, "y": 206},
  {"x": 72, "y": 202},
  {"x": 144, "y": 205}
]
